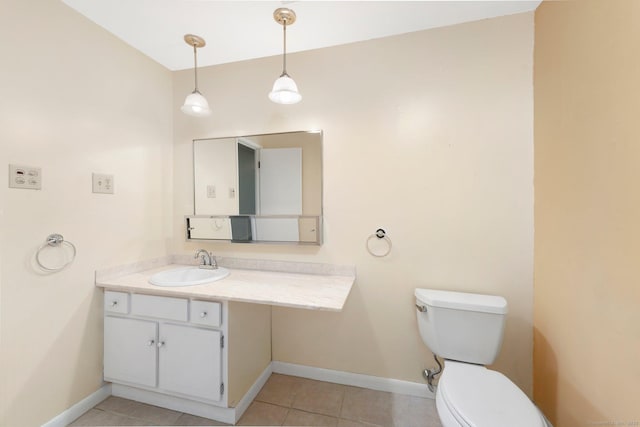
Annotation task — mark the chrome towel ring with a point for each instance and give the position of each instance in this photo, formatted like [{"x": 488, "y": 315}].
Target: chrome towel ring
[
  {"x": 56, "y": 240},
  {"x": 379, "y": 234}
]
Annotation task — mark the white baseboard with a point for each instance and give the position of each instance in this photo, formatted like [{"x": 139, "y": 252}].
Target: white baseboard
[
  {"x": 246, "y": 400},
  {"x": 357, "y": 380},
  {"x": 74, "y": 412}
]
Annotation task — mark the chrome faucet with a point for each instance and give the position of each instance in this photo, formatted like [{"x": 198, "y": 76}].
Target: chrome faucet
[{"x": 208, "y": 261}]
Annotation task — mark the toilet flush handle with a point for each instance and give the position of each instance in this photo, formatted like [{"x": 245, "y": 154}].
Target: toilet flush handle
[{"x": 421, "y": 308}]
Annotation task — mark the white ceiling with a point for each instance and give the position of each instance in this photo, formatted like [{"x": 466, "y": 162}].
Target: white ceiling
[{"x": 239, "y": 30}]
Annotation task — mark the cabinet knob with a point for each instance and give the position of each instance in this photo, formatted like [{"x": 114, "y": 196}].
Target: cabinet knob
[
  {"x": 203, "y": 314},
  {"x": 151, "y": 342},
  {"x": 160, "y": 344},
  {"x": 114, "y": 303}
]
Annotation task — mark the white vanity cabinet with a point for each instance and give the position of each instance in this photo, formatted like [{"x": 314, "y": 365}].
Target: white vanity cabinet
[
  {"x": 206, "y": 349},
  {"x": 154, "y": 346},
  {"x": 187, "y": 353}
]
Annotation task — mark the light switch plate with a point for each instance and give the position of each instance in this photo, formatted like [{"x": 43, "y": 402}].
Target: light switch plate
[
  {"x": 25, "y": 177},
  {"x": 102, "y": 183}
]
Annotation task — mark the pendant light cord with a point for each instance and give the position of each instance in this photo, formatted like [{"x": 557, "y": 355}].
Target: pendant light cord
[
  {"x": 284, "y": 49},
  {"x": 195, "y": 69}
]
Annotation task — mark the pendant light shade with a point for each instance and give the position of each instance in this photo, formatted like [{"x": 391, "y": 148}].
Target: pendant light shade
[
  {"x": 195, "y": 104},
  {"x": 285, "y": 90}
]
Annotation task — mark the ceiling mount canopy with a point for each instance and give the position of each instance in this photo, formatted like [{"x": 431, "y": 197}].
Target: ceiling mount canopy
[
  {"x": 285, "y": 90},
  {"x": 195, "y": 104},
  {"x": 195, "y": 41},
  {"x": 284, "y": 16}
]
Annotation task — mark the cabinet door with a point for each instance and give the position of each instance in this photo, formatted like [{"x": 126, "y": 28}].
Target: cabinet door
[
  {"x": 190, "y": 361},
  {"x": 130, "y": 351}
]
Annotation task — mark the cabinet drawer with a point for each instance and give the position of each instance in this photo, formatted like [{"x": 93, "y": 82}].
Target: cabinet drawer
[
  {"x": 116, "y": 302},
  {"x": 160, "y": 307},
  {"x": 205, "y": 313}
]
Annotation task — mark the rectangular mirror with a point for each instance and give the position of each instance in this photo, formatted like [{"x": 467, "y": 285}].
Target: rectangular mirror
[{"x": 258, "y": 188}]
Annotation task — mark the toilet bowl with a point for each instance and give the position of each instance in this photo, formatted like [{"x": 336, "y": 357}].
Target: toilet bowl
[{"x": 466, "y": 330}]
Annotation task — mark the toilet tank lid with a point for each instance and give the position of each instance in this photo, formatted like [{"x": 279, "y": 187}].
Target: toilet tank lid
[{"x": 462, "y": 301}]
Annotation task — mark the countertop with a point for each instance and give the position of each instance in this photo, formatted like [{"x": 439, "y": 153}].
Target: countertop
[{"x": 298, "y": 290}]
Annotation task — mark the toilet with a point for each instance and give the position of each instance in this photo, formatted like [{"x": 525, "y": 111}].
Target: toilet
[{"x": 466, "y": 331}]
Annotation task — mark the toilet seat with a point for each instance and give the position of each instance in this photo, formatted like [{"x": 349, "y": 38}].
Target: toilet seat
[{"x": 478, "y": 397}]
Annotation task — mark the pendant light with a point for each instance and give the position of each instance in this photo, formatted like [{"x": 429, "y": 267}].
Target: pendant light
[
  {"x": 195, "y": 104},
  {"x": 285, "y": 90}
]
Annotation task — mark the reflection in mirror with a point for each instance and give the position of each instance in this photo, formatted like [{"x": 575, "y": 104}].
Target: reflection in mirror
[
  {"x": 249, "y": 228},
  {"x": 265, "y": 188}
]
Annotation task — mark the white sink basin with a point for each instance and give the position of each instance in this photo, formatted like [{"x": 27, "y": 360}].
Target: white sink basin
[{"x": 188, "y": 276}]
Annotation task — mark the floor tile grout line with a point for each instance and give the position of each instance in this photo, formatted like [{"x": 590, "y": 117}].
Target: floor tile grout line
[
  {"x": 134, "y": 417},
  {"x": 344, "y": 396},
  {"x": 119, "y": 414},
  {"x": 315, "y": 413},
  {"x": 289, "y": 409}
]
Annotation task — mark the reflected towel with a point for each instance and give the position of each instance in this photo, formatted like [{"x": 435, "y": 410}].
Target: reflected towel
[{"x": 241, "y": 229}]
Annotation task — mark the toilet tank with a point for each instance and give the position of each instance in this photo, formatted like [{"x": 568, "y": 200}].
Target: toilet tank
[{"x": 461, "y": 326}]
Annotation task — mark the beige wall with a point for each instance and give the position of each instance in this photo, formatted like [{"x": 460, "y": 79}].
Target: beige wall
[
  {"x": 428, "y": 135},
  {"x": 74, "y": 100},
  {"x": 249, "y": 347},
  {"x": 587, "y": 210}
]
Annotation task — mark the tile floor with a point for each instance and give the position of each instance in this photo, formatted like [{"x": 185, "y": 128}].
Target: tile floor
[{"x": 285, "y": 401}]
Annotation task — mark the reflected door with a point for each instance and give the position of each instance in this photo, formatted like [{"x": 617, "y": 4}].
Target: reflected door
[
  {"x": 280, "y": 181},
  {"x": 246, "y": 180}
]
